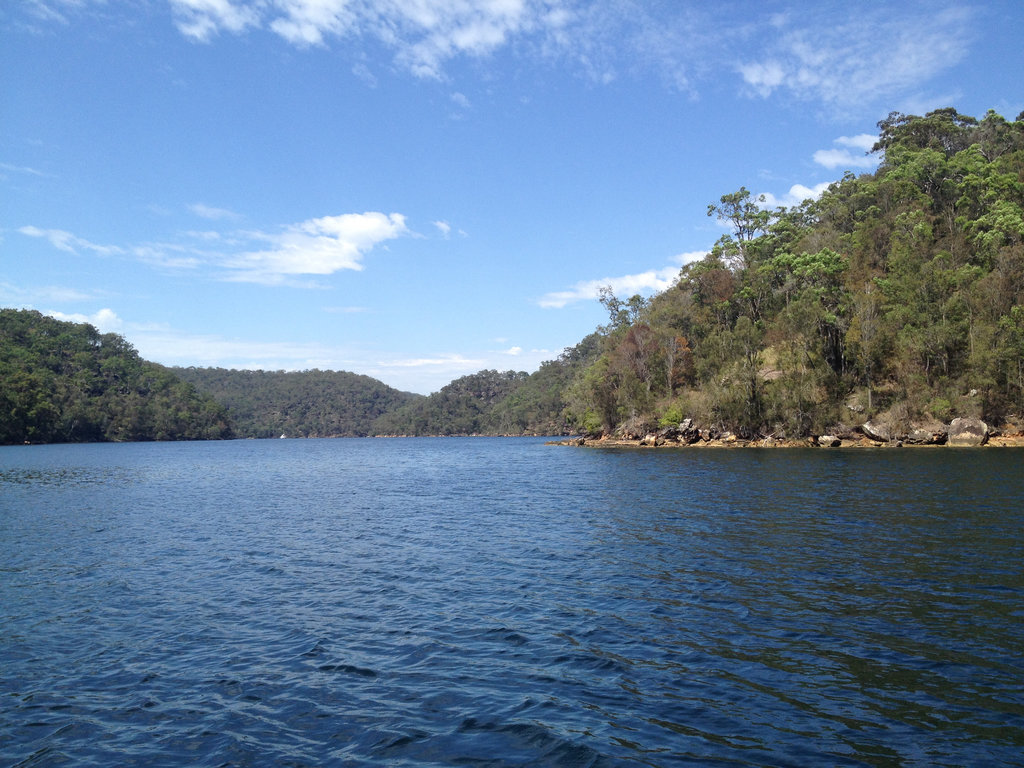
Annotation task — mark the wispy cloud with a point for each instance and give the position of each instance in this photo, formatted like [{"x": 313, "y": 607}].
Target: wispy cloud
[
  {"x": 869, "y": 55},
  {"x": 424, "y": 34},
  {"x": 211, "y": 213},
  {"x": 20, "y": 169},
  {"x": 21, "y": 296},
  {"x": 320, "y": 246},
  {"x": 202, "y": 19},
  {"x": 650, "y": 281},
  {"x": 69, "y": 243},
  {"x": 316, "y": 247},
  {"x": 841, "y": 57}
]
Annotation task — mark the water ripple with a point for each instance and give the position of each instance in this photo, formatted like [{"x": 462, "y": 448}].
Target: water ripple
[{"x": 502, "y": 603}]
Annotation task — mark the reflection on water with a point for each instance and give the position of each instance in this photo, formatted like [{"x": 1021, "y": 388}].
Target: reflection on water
[{"x": 501, "y": 602}]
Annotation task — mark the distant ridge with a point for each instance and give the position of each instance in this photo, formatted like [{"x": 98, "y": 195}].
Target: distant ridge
[{"x": 311, "y": 403}]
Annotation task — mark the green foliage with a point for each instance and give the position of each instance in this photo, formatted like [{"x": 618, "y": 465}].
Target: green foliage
[
  {"x": 466, "y": 406},
  {"x": 298, "y": 403},
  {"x": 66, "y": 382},
  {"x": 901, "y": 289}
]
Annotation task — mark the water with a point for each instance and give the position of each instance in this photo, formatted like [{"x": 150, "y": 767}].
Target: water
[{"x": 499, "y": 602}]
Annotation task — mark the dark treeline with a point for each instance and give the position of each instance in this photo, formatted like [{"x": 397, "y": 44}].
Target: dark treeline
[
  {"x": 895, "y": 296},
  {"x": 67, "y": 382},
  {"x": 298, "y": 404}
]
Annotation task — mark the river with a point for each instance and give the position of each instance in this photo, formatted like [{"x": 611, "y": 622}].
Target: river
[{"x": 501, "y": 602}]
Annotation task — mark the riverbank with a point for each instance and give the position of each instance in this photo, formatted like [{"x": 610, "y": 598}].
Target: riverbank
[{"x": 1015, "y": 440}]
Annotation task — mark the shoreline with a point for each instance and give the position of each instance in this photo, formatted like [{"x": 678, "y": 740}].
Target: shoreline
[{"x": 855, "y": 443}]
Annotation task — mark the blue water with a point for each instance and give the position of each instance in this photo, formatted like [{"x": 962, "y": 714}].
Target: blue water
[{"x": 499, "y": 602}]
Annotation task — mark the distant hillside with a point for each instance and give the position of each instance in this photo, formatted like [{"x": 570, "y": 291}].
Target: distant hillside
[
  {"x": 496, "y": 403},
  {"x": 67, "y": 382},
  {"x": 298, "y": 404}
]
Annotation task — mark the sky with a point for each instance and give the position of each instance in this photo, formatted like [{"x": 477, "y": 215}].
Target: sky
[{"x": 417, "y": 190}]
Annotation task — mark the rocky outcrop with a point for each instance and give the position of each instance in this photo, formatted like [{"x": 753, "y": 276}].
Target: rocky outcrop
[
  {"x": 829, "y": 441},
  {"x": 925, "y": 437},
  {"x": 880, "y": 433},
  {"x": 967, "y": 433}
]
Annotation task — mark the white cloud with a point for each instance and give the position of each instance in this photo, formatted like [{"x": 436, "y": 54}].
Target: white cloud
[
  {"x": 305, "y": 22},
  {"x": 202, "y": 19},
  {"x": 859, "y": 55},
  {"x": 105, "y": 320},
  {"x": 69, "y": 243},
  {"x": 319, "y": 246},
  {"x": 24, "y": 169},
  {"x": 870, "y": 55},
  {"x": 763, "y": 77},
  {"x": 444, "y": 228},
  {"x": 651, "y": 281},
  {"x": 214, "y": 214},
  {"x": 796, "y": 195},
  {"x": 424, "y": 34},
  {"x": 851, "y": 153},
  {"x": 513, "y": 351},
  {"x": 316, "y": 247}
]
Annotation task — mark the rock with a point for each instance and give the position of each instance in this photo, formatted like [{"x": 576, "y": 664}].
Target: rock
[
  {"x": 729, "y": 437},
  {"x": 967, "y": 432},
  {"x": 877, "y": 432},
  {"x": 669, "y": 433},
  {"x": 650, "y": 439},
  {"x": 829, "y": 441},
  {"x": 921, "y": 437}
]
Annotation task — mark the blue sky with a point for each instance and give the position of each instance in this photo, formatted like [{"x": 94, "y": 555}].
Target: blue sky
[{"x": 420, "y": 189}]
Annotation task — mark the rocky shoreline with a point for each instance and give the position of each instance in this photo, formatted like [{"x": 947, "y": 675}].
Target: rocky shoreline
[{"x": 960, "y": 433}]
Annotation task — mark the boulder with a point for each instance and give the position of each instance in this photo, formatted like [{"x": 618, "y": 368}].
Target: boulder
[
  {"x": 878, "y": 432},
  {"x": 650, "y": 439},
  {"x": 967, "y": 432},
  {"x": 669, "y": 433},
  {"x": 829, "y": 441},
  {"x": 922, "y": 437}
]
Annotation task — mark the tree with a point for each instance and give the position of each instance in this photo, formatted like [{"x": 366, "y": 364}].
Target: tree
[{"x": 748, "y": 219}]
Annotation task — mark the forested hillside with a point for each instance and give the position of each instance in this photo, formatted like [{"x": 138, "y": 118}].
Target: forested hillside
[
  {"x": 496, "y": 403},
  {"x": 896, "y": 296},
  {"x": 297, "y": 403},
  {"x": 67, "y": 382}
]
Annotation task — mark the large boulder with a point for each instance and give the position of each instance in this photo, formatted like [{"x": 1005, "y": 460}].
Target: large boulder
[
  {"x": 829, "y": 441},
  {"x": 967, "y": 432},
  {"x": 921, "y": 437},
  {"x": 878, "y": 432}
]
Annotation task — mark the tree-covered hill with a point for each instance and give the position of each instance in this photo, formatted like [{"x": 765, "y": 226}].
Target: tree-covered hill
[
  {"x": 67, "y": 382},
  {"x": 298, "y": 403},
  {"x": 496, "y": 403},
  {"x": 897, "y": 296}
]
